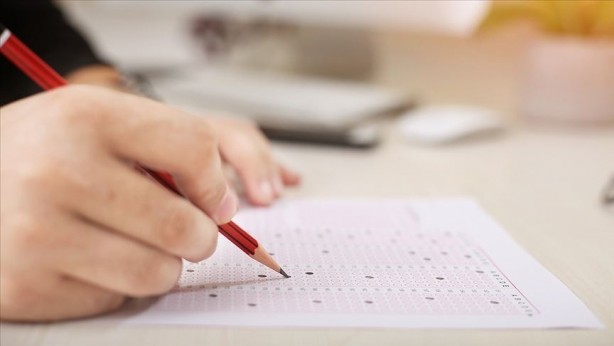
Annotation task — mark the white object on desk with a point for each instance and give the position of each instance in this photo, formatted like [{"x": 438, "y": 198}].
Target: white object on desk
[{"x": 446, "y": 124}]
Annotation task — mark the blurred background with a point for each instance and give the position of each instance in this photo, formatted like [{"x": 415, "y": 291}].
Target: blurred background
[{"x": 297, "y": 67}]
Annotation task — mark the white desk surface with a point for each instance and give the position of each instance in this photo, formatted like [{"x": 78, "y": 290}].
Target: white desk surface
[{"x": 542, "y": 185}]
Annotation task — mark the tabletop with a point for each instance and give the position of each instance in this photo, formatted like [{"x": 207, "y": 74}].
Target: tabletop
[{"x": 542, "y": 183}]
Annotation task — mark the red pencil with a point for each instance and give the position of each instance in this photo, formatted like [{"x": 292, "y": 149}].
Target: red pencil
[{"x": 41, "y": 73}]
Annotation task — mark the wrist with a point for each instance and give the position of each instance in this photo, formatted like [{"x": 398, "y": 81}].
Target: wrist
[
  {"x": 109, "y": 77},
  {"x": 100, "y": 75}
]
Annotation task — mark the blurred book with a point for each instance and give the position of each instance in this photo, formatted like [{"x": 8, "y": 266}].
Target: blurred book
[{"x": 288, "y": 107}]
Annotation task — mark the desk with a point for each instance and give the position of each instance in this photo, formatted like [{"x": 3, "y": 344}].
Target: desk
[{"x": 541, "y": 184}]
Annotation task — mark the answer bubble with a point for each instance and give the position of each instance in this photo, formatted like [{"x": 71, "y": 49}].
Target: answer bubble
[
  {"x": 439, "y": 278},
  {"x": 368, "y": 302},
  {"x": 213, "y": 295},
  {"x": 494, "y": 302},
  {"x": 429, "y": 298},
  {"x": 251, "y": 304},
  {"x": 261, "y": 275},
  {"x": 190, "y": 270},
  {"x": 309, "y": 273},
  {"x": 317, "y": 301},
  {"x": 369, "y": 277}
]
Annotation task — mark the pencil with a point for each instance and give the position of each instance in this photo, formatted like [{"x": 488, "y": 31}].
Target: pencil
[{"x": 43, "y": 75}]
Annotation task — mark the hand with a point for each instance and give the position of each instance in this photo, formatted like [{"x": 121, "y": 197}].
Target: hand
[
  {"x": 245, "y": 148},
  {"x": 241, "y": 143},
  {"x": 81, "y": 229}
]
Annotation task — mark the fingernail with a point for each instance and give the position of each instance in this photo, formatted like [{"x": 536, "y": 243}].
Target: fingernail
[
  {"x": 266, "y": 190},
  {"x": 227, "y": 208},
  {"x": 278, "y": 186}
]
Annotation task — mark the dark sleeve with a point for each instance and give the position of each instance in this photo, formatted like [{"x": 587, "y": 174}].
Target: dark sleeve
[{"x": 43, "y": 28}]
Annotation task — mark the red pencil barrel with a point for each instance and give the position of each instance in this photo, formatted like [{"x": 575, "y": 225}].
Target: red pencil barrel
[
  {"x": 20, "y": 55},
  {"x": 239, "y": 237}
]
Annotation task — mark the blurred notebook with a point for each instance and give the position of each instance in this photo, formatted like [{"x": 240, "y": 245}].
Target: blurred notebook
[{"x": 286, "y": 107}]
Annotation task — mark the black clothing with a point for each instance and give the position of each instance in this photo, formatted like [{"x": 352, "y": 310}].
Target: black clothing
[{"x": 43, "y": 28}]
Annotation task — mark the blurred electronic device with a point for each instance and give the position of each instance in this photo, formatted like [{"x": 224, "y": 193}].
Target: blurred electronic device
[
  {"x": 287, "y": 107},
  {"x": 447, "y": 124}
]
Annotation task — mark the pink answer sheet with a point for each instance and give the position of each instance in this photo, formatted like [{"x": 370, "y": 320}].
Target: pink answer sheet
[{"x": 400, "y": 263}]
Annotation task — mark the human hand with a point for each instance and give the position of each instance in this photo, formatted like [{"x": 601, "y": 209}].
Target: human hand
[
  {"x": 81, "y": 229},
  {"x": 247, "y": 150},
  {"x": 242, "y": 145}
]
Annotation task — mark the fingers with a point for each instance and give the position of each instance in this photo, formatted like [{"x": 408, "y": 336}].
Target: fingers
[
  {"x": 246, "y": 149},
  {"x": 131, "y": 204},
  {"x": 264, "y": 187},
  {"x": 31, "y": 288},
  {"x": 261, "y": 182},
  {"x": 49, "y": 297},
  {"x": 166, "y": 139},
  {"x": 289, "y": 177},
  {"x": 113, "y": 262}
]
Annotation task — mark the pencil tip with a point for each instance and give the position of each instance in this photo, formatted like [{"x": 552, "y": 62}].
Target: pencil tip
[{"x": 282, "y": 272}]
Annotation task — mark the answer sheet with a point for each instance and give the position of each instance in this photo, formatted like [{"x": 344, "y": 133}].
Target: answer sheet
[{"x": 428, "y": 263}]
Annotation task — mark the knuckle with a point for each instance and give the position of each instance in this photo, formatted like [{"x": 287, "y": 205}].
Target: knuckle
[
  {"x": 207, "y": 141},
  {"x": 203, "y": 160},
  {"x": 175, "y": 228},
  {"x": 206, "y": 245},
  {"x": 43, "y": 172},
  {"x": 105, "y": 301},
  {"x": 203, "y": 130},
  {"x": 186, "y": 234},
  {"x": 156, "y": 276},
  {"x": 56, "y": 177},
  {"x": 76, "y": 105},
  {"x": 38, "y": 175},
  {"x": 25, "y": 232},
  {"x": 210, "y": 195},
  {"x": 209, "y": 247},
  {"x": 94, "y": 300},
  {"x": 113, "y": 302}
]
